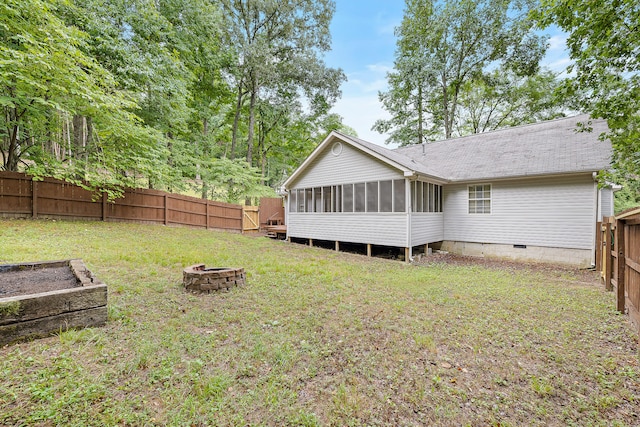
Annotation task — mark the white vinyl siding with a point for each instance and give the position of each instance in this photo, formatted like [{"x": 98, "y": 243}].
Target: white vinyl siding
[
  {"x": 552, "y": 212},
  {"x": 389, "y": 229},
  {"x": 350, "y": 175},
  {"x": 350, "y": 165},
  {"x": 426, "y": 228}
]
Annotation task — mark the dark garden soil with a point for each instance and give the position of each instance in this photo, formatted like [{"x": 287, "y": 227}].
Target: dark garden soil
[
  {"x": 34, "y": 281},
  {"x": 583, "y": 275}
]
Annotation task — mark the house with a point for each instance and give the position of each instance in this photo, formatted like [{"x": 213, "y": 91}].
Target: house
[{"x": 526, "y": 193}]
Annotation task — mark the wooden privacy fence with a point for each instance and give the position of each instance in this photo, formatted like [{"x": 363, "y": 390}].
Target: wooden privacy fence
[
  {"x": 271, "y": 211},
  {"x": 620, "y": 265},
  {"x": 22, "y": 197}
]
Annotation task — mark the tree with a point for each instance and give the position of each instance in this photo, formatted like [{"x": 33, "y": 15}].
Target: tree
[
  {"x": 278, "y": 46},
  {"x": 603, "y": 42},
  {"x": 46, "y": 80},
  {"x": 441, "y": 47},
  {"x": 501, "y": 98},
  {"x": 150, "y": 92}
]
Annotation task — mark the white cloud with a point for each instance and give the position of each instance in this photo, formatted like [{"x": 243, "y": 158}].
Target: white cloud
[
  {"x": 560, "y": 66},
  {"x": 558, "y": 42},
  {"x": 360, "y": 113},
  {"x": 380, "y": 68},
  {"x": 369, "y": 82}
]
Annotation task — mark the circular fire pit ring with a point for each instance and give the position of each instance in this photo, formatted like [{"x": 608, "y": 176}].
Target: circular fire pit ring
[{"x": 199, "y": 279}]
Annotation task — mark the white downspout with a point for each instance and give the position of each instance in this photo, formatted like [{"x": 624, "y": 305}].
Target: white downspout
[
  {"x": 596, "y": 217},
  {"x": 408, "y": 205}
]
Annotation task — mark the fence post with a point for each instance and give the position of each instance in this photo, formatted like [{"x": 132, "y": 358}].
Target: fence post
[
  {"x": 166, "y": 209},
  {"x": 622, "y": 264},
  {"x": 207, "y": 212},
  {"x": 598, "y": 246},
  {"x": 104, "y": 206},
  {"x": 607, "y": 259},
  {"x": 34, "y": 199}
]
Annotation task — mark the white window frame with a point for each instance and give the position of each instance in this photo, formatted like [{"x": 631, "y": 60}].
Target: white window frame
[{"x": 486, "y": 205}]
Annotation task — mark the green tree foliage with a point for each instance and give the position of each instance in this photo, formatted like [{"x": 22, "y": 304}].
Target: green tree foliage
[
  {"x": 156, "y": 92},
  {"x": 604, "y": 38},
  {"x": 278, "y": 46},
  {"x": 442, "y": 46},
  {"x": 46, "y": 81},
  {"x": 501, "y": 98}
]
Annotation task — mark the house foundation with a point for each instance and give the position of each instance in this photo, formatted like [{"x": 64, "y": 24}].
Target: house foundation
[{"x": 524, "y": 253}]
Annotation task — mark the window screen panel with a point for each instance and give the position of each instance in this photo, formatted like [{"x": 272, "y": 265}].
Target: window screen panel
[
  {"x": 372, "y": 196},
  {"x": 337, "y": 198},
  {"x": 347, "y": 198},
  {"x": 326, "y": 199},
  {"x": 308, "y": 199},
  {"x": 359, "y": 197},
  {"x": 399, "y": 204},
  {"x": 386, "y": 196}
]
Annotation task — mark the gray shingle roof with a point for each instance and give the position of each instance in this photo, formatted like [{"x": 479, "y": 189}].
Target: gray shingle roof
[
  {"x": 546, "y": 148},
  {"x": 393, "y": 155}
]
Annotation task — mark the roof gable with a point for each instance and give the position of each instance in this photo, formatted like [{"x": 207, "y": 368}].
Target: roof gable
[
  {"x": 397, "y": 161},
  {"x": 548, "y": 148}
]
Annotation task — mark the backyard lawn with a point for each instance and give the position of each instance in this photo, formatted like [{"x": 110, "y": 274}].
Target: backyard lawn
[{"x": 316, "y": 338}]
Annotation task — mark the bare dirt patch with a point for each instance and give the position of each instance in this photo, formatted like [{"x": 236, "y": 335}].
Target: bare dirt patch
[
  {"x": 31, "y": 281},
  {"x": 582, "y": 275}
]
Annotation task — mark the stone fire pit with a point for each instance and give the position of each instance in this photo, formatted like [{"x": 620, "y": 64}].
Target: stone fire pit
[
  {"x": 43, "y": 298},
  {"x": 199, "y": 279}
]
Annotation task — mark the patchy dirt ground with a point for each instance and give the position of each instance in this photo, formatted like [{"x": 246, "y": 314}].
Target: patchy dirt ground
[
  {"x": 25, "y": 282},
  {"x": 584, "y": 275}
]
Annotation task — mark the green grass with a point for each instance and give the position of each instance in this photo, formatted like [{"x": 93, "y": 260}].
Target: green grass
[{"x": 315, "y": 338}]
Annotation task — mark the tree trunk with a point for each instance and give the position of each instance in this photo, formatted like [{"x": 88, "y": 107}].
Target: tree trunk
[
  {"x": 236, "y": 121},
  {"x": 13, "y": 154},
  {"x": 13, "y": 149},
  {"x": 205, "y": 133},
  {"x": 420, "y": 116},
  {"x": 263, "y": 156},
  {"x": 252, "y": 123}
]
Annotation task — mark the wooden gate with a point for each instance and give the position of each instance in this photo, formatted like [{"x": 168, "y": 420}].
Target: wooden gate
[{"x": 250, "y": 218}]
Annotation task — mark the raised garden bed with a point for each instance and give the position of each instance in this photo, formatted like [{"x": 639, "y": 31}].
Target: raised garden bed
[{"x": 42, "y": 298}]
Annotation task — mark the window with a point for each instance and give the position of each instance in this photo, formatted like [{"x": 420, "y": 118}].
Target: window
[
  {"x": 293, "y": 204},
  {"x": 372, "y": 196},
  {"x": 347, "y": 198},
  {"x": 359, "y": 197},
  {"x": 326, "y": 199},
  {"x": 317, "y": 199},
  {"x": 418, "y": 196},
  {"x": 398, "y": 195},
  {"x": 480, "y": 199},
  {"x": 300, "y": 199},
  {"x": 426, "y": 189},
  {"x": 426, "y": 197},
  {"x": 337, "y": 198},
  {"x": 308, "y": 199},
  {"x": 386, "y": 196}
]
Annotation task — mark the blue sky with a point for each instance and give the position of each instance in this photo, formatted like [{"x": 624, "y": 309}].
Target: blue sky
[{"x": 364, "y": 45}]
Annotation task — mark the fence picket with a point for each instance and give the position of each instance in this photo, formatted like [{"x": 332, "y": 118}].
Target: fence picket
[{"x": 22, "y": 197}]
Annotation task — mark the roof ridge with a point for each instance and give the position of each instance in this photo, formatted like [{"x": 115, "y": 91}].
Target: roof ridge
[{"x": 475, "y": 135}]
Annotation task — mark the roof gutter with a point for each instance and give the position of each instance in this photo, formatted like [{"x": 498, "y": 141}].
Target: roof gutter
[{"x": 512, "y": 177}]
